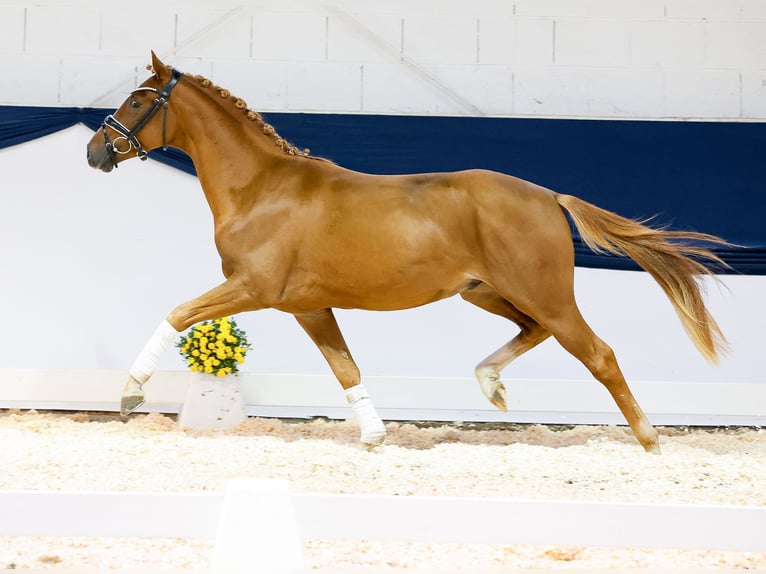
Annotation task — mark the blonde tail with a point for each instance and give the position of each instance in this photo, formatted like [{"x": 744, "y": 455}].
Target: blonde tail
[{"x": 665, "y": 255}]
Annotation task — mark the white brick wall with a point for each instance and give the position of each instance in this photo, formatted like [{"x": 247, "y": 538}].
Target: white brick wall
[
  {"x": 384, "y": 85},
  {"x": 602, "y": 43},
  {"x": 440, "y": 39},
  {"x": 754, "y": 94},
  {"x": 62, "y": 31},
  {"x": 582, "y": 58},
  {"x": 120, "y": 28},
  {"x": 12, "y": 29},
  {"x": 30, "y": 80},
  {"x": 614, "y": 9},
  {"x": 690, "y": 93},
  {"x": 667, "y": 45},
  {"x": 377, "y": 39},
  {"x": 733, "y": 45},
  {"x": 533, "y": 42},
  {"x": 286, "y": 37}
]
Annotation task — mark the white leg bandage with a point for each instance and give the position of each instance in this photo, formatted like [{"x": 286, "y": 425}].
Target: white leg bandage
[
  {"x": 150, "y": 356},
  {"x": 373, "y": 430}
]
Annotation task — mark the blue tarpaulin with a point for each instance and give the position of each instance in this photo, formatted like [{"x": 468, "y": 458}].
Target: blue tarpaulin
[{"x": 702, "y": 176}]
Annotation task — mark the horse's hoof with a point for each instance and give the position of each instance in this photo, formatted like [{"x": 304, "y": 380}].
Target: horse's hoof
[
  {"x": 130, "y": 403},
  {"x": 373, "y": 439},
  {"x": 498, "y": 397},
  {"x": 492, "y": 387},
  {"x": 652, "y": 447}
]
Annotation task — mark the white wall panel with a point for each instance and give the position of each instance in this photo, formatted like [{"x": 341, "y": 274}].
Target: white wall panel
[
  {"x": 214, "y": 33},
  {"x": 263, "y": 85},
  {"x": 754, "y": 94},
  {"x": 121, "y": 73},
  {"x": 12, "y": 29},
  {"x": 667, "y": 44},
  {"x": 534, "y": 42},
  {"x": 488, "y": 88},
  {"x": 496, "y": 39},
  {"x": 400, "y": 89},
  {"x": 329, "y": 87},
  {"x": 441, "y": 40},
  {"x": 617, "y": 9},
  {"x": 58, "y": 31},
  {"x": 563, "y": 53},
  {"x": 370, "y": 38},
  {"x": 702, "y": 93},
  {"x": 30, "y": 80},
  {"x": 736, "y": 44},
  {"x": 587, "y": 92},
  {"x": 716, "y": 9},
  {"x": 289, "y": 37},
  {"x": 592, "y": 43},
  {"x": 132, "y": 33}
]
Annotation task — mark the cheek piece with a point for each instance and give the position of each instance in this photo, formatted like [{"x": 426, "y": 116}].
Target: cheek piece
[{"x": 129, "y": 136}]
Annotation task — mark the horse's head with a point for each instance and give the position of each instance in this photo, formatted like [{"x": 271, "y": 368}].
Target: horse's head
[{"x": 143, "y": 115}]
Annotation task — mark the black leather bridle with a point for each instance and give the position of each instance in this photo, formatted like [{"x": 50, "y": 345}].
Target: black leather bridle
[{"x": 130, "y": 134}]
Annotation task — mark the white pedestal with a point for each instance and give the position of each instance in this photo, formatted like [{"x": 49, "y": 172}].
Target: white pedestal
[{"x": 212, "y": 403}]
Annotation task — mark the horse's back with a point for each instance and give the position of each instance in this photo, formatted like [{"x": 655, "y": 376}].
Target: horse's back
[
  {"x": 438, "y": 194},
  {"x": 462, "y": 212}
]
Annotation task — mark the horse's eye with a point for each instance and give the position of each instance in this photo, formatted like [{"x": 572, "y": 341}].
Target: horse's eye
[{"x": 135, "y": 104}]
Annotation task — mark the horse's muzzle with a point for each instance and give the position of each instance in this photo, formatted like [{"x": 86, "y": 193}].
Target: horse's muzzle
[{"x": 100, "y": 158}]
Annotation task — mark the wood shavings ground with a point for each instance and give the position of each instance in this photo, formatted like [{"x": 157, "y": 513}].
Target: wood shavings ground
[{"x": 54, "y": 451}]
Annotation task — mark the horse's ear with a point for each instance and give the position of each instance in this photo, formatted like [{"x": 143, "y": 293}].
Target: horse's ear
[{"x": 160, "y": 70}]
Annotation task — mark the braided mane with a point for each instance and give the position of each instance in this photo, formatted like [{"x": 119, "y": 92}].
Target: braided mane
[{"x": 254, "y": 116}]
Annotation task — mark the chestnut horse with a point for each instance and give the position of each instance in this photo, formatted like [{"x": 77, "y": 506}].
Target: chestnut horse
[{"x": 303, "y": 235}]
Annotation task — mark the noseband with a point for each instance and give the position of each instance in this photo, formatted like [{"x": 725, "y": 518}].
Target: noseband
[{"x": 130, "y": 135}]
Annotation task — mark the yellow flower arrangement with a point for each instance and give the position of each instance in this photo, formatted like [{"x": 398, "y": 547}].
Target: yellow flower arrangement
[{"x": 216, "y": 347}]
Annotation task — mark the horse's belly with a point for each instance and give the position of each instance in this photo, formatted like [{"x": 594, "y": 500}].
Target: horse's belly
[
  {"x": 384, "y": 299},
  {"x": 385, "y": 294}
]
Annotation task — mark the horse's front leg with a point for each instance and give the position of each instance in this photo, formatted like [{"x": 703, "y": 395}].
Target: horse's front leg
[
  {"x": 228, "y": 298},
  {"x": 144, "y": 365},
  {"x": 324, "y": 331}
]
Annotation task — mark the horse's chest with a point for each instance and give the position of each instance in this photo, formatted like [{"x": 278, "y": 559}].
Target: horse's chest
[{"x": 252, "y": 247}]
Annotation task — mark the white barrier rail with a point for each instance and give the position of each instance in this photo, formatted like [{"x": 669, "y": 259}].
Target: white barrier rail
[
  {"x": 402, "y": 398},
  {"x": 379, "y": 517}
]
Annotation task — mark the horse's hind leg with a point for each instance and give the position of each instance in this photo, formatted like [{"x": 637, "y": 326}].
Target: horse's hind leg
[
  {"x": 531, "y": 335},
  {"x": 550, "y": 309},
  {"x": 323, "y": 329},
  {"x": 574, "y": 334}
]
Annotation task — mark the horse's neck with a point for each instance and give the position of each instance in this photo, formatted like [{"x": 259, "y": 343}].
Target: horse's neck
[{"x": 228, "y": 156}]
